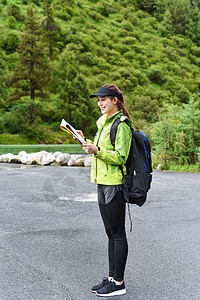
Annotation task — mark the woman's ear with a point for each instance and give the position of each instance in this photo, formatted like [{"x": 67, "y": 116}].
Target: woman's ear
[{"x": 115, "y": 100}]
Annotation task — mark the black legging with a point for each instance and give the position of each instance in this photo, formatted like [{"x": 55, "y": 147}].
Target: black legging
[{"x": 113, "y": 215}]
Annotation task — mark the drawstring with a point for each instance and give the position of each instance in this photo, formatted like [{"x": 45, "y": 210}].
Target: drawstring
[
  {"x": 126, "y": 196},
  {"x": 129, "y": 213}
]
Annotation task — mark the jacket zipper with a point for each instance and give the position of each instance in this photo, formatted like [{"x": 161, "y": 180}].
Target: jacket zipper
[
  {"x": 106, "y": 168},
  {"x": 96, "y": 157}
]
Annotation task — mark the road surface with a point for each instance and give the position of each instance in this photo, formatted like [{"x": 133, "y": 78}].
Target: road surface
[{"x": 53, "y": 245}]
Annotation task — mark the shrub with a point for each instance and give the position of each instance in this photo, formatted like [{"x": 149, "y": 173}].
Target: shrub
[
  {"x": 156, "y": 75},
  {"x": 195, "y": 51},
  {"x": 129, "y": 40},
  {"x": 95, "y": 15},
  {"x": 11, "y": 22},
  {"x": 10, "y": 42},
  {"x": 130, "y": 55},
  {"x": 183, "y": 94},
  {"x": 105, "y": 8},
  {"x": 14, "y": 10},
  {"x": 127, "y": 25}
]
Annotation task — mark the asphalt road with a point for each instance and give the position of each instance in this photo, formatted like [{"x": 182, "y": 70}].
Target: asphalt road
[{"x": 53, "y": 245}]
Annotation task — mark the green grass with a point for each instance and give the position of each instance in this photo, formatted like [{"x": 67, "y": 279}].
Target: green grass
[
  {"x": 15, "y": 149},
  {"x": 185, "y": 168},
  {"x": 19, "y": 139},
  {"x": 15, "y": 139}
]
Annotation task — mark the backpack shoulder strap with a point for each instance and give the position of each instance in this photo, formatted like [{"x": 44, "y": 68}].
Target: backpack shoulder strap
[{"x": 113, "y": 131}]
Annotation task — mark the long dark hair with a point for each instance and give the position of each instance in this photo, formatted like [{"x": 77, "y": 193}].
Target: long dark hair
[{"x": 120, "y": 103}]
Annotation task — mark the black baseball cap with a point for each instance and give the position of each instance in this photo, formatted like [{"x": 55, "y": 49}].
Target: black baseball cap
[{"x": 103, "y": 91}]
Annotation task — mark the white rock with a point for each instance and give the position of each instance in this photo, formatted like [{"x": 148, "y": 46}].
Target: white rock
[
  {"x": 73, "y": 158},
  {"x": 6, "y": 157},
  {"x": 1, "y": 160},
  {"x": 44, "y": 158},
  {"x": 14, "y": 159},
  {"x": 24, "y": 158},
  {"x": 30, "y": 159},
  {"x": 79, "y": 162},
  {"x": 88, "y": 161},
  {"x": 63, "y": 158},
  {"x": 22, "y": 153},
  {"x": 56, "y": 154}
]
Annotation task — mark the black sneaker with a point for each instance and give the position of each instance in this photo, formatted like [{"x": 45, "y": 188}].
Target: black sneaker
[
  {"x": 111, "y": 289},
  {"x": 100, "y": 285}
]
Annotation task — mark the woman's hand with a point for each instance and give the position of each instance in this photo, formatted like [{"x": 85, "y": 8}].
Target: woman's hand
[
  {"x": 79, "y": 132},
  {"x": 90, "y": 148}
]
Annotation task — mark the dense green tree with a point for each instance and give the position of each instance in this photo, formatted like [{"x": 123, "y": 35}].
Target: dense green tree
[
  {"x": 168, "y": 21},
  {"x": 183, "y": 15},
  {"x": 143, "y": 108},
  {"x": 73, "y": 102},
  {"x": 190, "y": 124},
  {"x": 22, "y": 116},
  {"x": 51, "y": 29},
  {"x": 3, "y": 73},
  {"x": 181, "y": 10},
  {"x": 175, "y": 137},
  {"x": 167, "y": 138},
  {"x": 147, "y": 5},
  {"x": 31, "y": 76}
]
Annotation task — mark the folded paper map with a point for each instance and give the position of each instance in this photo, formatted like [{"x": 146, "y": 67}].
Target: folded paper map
[{"x": 68, "y": 128}]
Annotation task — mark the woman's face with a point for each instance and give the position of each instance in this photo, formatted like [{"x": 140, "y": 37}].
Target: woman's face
[{"x": 108, "y": 105}]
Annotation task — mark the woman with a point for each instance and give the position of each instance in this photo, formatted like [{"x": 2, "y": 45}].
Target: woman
[{"x": 106, "y": 173}]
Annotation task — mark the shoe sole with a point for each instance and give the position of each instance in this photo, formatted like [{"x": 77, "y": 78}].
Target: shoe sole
[{"x": 116, "y": 293}]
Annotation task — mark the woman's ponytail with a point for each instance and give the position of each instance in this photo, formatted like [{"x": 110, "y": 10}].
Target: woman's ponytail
[{"x": 120, "y": 103}]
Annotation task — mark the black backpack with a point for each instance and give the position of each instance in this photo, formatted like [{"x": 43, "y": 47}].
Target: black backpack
[{"x": 137, "y": 182}]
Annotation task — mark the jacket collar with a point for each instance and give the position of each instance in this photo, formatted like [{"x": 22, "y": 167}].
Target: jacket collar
[{"x": 105, "y": 120}]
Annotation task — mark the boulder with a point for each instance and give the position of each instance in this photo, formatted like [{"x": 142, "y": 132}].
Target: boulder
[
  {"x": 80, "y": 161},
  {"x": 6, "y": 157},
  {"x": 30, "y": 159},
  {"x": 56, "y": 154},
  {"x": 22, "y": 153},
  {"x": 26, "y": 158},
  {"x": 44, "y": 158},
  {"x": 62, "y": 159},
  {"x": 23, "y": 156},
  {"x": 88, "y": 161},
  {"x": 73, "y": 159},
  {"x": 14, "y": 159}
]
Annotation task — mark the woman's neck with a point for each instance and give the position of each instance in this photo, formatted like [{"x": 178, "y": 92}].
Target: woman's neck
[{"x": 114, "y": 111}]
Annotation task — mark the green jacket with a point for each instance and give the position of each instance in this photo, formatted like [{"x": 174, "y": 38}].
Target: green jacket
[{"x": 105, "y": 164}]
